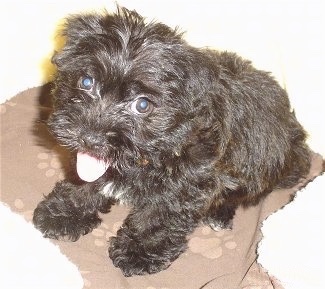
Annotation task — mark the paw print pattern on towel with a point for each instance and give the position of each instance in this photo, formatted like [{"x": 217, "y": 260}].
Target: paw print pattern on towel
[
  {"x": 103, "y": 233},
  {"x": 213, "y": 245},
  {"x": 209, "y": 248},
  {"x": 19, "y": 206},
  {"x": 50, "y": 164}
]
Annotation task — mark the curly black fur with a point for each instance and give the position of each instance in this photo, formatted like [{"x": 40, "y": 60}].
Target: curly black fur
[{"x": 217, "y": 134}]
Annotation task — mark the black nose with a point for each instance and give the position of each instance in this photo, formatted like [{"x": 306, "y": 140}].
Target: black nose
[{"x": 92, "y": 141}]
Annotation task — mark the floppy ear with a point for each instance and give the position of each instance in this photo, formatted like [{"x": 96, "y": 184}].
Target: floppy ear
[
  {"x": 83, "y": 25},
  {"x": 79, "y": 30},
  {"x": 75, "y": 30}
]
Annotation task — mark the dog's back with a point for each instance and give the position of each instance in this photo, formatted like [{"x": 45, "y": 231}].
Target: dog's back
[{"x": 265, "y": 145}]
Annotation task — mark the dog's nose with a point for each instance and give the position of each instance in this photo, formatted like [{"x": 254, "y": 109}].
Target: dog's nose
[{"x": 92, "y": 141}]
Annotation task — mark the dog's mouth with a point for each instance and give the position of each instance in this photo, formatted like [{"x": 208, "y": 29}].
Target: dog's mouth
[{"x": 90, "y": 168}]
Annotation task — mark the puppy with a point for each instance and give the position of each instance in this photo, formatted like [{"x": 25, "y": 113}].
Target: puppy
[{"x": 182, "y": 135}]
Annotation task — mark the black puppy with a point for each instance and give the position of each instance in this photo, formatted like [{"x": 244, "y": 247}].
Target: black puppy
[{"x": 183, "y": 135}]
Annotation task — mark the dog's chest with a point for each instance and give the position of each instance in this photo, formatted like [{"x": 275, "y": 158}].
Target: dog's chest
[{"x": 111, "y": 191}]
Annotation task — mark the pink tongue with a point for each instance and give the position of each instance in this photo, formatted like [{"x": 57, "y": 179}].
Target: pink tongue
[{"x": 90, "y": 168}]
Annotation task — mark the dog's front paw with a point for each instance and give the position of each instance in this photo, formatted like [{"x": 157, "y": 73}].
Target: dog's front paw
[
  {"x": 56, "y": 220},
  {"x": 132, "y": 259}
]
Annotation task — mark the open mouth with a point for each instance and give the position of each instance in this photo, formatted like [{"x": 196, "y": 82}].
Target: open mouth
[{"x": 90, "y": 168}]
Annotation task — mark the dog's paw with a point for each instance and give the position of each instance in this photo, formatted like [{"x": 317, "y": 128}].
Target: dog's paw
[
  {"x": 132, "y": 259},
  {"x": 56, "y": 221}
]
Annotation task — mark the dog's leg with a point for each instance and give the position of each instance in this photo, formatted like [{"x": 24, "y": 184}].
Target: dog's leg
[
  {"x": 70, "y": 211},
  {"x": 150, "y": 239}
]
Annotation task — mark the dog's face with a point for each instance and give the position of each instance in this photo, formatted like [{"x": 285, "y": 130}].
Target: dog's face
[{"x": 127, "y": 92}]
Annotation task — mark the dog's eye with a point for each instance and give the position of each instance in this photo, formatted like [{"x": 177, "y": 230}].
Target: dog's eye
[
  {"x": 141, "y": 105},
  {"x": 86, "y": 83}
]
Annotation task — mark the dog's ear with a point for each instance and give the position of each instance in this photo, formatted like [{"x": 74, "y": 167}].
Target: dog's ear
[
  {"x": 80, "y": 26},
  {"x": 86, "y": 33},
  {"x": 84, "y": 25},
  {"x": 79, "y": 29},
  {"x": 74, "y": 30}
]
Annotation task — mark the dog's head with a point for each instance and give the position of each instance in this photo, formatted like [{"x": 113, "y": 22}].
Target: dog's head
[{"x": 128, "y": 93}]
